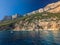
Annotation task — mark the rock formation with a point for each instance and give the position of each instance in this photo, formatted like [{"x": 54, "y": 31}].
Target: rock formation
[{"x": 47, "y": 18}]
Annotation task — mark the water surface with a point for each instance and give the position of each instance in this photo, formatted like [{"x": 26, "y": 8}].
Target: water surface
[{"x": 43, "y": 37}]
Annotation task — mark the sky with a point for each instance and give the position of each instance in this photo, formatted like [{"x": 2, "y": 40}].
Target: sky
[{"x": 11, "y": 7}]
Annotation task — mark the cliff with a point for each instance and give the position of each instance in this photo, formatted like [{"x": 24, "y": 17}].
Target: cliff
[
  {"x": 52, "y": 8},
  {"x": 47, "y": 18},
  {"x": 39, "y": 21}
]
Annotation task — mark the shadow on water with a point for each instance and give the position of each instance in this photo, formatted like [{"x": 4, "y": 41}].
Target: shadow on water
[{"x": 43, "y": 37}]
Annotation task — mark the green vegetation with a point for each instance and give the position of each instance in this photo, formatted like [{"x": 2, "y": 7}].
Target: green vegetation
[{"x": 31, "y": 18}]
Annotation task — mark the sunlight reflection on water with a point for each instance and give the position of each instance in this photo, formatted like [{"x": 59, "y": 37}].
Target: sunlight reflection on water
[{"x": 51, "y": 37}]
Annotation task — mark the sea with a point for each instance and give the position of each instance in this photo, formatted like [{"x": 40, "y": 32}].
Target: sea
[{"x": 43, "y": 37}]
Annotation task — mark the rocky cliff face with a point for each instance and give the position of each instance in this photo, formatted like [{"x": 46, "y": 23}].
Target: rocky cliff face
[
  {"x": 53, "y": 8},
  {"x": 40, "y": 25},
  {"x": 47, "y": 18},
  {"x": 48, "y": 21},
  {"x": 39, "y": 21}
]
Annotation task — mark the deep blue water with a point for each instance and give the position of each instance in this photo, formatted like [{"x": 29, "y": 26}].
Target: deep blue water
[{"x": 30, "y": 37}]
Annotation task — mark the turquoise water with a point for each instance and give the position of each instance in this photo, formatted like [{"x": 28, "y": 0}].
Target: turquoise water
[{"x": 30, "y": 37}]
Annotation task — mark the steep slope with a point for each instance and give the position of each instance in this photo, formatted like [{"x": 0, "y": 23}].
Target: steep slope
[
  {"x": 53, "y": 8},
  {"x": 38, "y": 21},
  {"x": 47, "y": 18}
]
